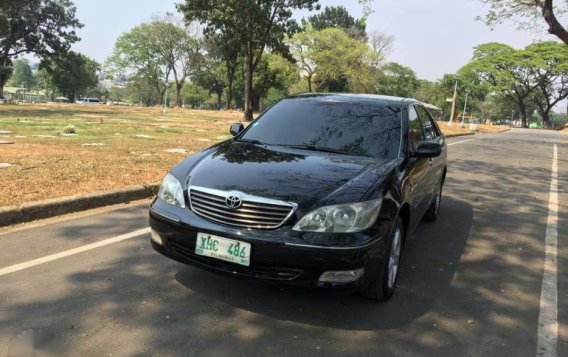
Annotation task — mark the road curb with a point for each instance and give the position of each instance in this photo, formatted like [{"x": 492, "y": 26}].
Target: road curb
[
  {"x": 54, "y": 207},
  {"x": 459, "y": 134}
]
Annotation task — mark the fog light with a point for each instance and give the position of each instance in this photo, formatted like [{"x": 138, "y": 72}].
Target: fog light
[
  {"x": 156, "y": 237},
  {"x": 345, "y": 276}
]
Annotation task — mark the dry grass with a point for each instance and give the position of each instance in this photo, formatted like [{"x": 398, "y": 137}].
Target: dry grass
[
  {"x": 456, "y": 128},
  {"x": 47, "y": 164}
]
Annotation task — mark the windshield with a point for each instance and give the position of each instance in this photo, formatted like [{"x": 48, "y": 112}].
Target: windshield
[{"x": 364, "y": 127}]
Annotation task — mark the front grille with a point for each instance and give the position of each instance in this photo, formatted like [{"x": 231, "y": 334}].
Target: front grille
[
  {"x": 268, "y": 272},
  {"x": 254, "y": 212}
]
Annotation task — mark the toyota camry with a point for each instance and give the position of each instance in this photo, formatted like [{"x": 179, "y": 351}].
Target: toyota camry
[{"x": 320, "y": 190}]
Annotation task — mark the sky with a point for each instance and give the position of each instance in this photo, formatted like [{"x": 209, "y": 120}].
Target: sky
[{"x": 432, "y": 37}]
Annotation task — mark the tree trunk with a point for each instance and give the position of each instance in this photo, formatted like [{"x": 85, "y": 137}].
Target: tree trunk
[
  {"x": 178, "y": 95},
  {"x": 523, "y": 111},
  {"x": 230, "y": 80},
  {"x": 219, "y": 99},
  {"x": 309, "y": 77},
  {"x": 546, "y": 119},
  {"x": 161, "y": 94},
  {"x": 256, "y": 102},
  {"x": 5, "y": 73},
  {"x": 554, "y": 26},
  {"x": 248, "y": 82}
]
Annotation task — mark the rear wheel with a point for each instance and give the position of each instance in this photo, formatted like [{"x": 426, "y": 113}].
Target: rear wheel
[
  {"x": 432, "y": 212},
  {"x": 383, "y": 286}
]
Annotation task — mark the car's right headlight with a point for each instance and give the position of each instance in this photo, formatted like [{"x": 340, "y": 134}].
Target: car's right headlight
[
  {"x": 345, "y": 218},
  {"x": 171, "y": 191}
]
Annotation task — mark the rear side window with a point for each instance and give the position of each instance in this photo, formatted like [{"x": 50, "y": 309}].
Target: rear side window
[
  {"x": 416, "y": 133},
  {"x": 430, "y": 130}
]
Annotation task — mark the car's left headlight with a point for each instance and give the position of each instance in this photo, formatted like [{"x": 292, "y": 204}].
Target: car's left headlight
[
  {"x": 171, "y": 191},
  {"x": 345, "y": 218}
]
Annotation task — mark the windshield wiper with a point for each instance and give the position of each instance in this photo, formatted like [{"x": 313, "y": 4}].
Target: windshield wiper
[
  {"x": 250, "y": 141},
  {"x": 317, "y": 148}
]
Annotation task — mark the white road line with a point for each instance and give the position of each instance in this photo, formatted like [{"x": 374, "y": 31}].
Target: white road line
[
  {"x": 548, "y": 316},
  {"x": 67, "y": 253},
  {"x": 460, "y": 142}
]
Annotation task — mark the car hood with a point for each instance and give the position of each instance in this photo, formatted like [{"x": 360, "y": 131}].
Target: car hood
[{"x": 292, "y": 175}]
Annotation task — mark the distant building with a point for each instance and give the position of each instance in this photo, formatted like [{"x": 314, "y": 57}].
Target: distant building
[{"x": 23, "y": 94}]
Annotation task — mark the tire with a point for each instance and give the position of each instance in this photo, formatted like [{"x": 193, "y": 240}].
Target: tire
[
  {"x": 383, "y": 286},
  {"x": 432, "y": 213}
]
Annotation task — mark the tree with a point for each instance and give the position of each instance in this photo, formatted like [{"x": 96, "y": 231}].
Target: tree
[
  {"x": 502, "y": 10},
  {"x": 225, "y": 46},
  {"x": 212, "y": 78},
  {"x": 342, "y": 62},
  {"x": 397, "y": 80},
  {"x": 194, "y": 96},
  {"x": 141, "y": 91},
  {"x": 43, "y": 27},
  {"x": 71, "y": 73},
  {"x": 23, "y": 76},
  {"x": 551, "y": 76},
  {"x": 332, "y": 60},
  {"x": 182, "y": 51},
  {"x": 505, "y": 71},
  {"x": 142, "y": 54},
  {"x": 431, "y": 92},
  {"x": 303, "y": 49},
  {"x": 257, "y": 25},
  {"x": 381, "y": 45},
  {"x": 274, "y": 73},
  {"x": 339, "y": 17}
]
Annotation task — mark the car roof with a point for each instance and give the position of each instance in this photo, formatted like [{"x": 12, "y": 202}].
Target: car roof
[{"x": 399, "y": 101}]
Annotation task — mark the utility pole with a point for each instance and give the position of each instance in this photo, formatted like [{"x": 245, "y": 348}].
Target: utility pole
[
  {"x": 464, "y": 108},
  {"x": 453, "y": 104}
]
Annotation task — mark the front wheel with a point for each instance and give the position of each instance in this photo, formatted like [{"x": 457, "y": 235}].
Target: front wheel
[{"x": 383, "y": 286}]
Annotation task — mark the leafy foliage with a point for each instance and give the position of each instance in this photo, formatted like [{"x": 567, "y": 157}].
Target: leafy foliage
[
  {"x": 23, "y": 76},
  {"x": 143, "y": 54},
  {"x": 550, "y": 74},
  {"x": 257, "y": 25},
  {"x": 339, "y": 17},
  {"x": 397, "y": 80},
  {"x": 332, "y": 60},
  {"x": 515, "y": 10},
  {"x": 43, "y": 27},
  {"x": 71, "y": 73},
  {"x": 505, "y": 71}
]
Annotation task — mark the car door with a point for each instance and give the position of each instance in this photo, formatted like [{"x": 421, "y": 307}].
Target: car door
[
  {"x": 436, "y": 164},
  {"x": 418, "y": 192}
]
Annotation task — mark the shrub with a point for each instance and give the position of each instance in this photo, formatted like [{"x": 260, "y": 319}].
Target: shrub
[{"x": 69, "y": 129}]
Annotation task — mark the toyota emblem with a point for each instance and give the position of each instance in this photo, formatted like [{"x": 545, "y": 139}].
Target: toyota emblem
[{"x": 233, "y": 202}]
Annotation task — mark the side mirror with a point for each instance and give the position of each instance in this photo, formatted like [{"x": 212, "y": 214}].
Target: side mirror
[
  {"x": 236, "y": 128},
  {"x": 428, "y": 149}
]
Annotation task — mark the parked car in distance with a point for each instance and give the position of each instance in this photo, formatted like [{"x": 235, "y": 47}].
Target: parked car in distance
[
  {"x": 88, "y": 101},
  {"x": 321, "y": 189}
]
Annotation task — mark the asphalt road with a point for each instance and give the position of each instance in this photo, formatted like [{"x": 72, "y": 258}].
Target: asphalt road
[{"x": 470, "y": 284}]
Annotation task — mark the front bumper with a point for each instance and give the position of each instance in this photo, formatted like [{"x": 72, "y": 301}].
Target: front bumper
[{"x": 281, "y": 255}]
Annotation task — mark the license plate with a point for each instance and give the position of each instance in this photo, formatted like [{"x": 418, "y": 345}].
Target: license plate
[{"x": 221, "y": 248}]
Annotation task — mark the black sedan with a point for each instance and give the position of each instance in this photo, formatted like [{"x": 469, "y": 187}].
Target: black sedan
[{"x": 321, "y": 189}]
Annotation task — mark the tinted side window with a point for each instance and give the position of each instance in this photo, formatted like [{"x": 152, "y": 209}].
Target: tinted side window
[
  {"x": 430, "y": 130},
  {"x": 416, "y": 134}
]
